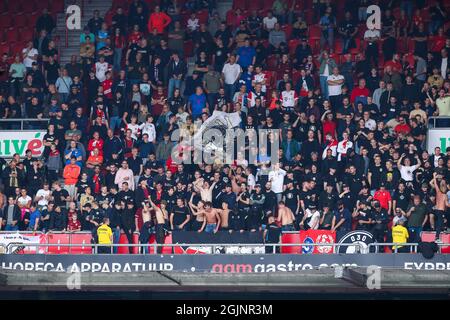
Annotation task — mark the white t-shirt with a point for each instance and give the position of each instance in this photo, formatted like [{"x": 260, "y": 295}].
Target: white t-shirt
[
  {"x": 28, "y": 62},
  {"x": 23, "y": 201},
  {"x": 315, "y": 217},
  {"x": 259, "y": 78},
  {"x": 444, "y": 66},
  {"x": 270, "y": 22},
  {"x": 231, "y": 72},
  {"x": 148, "y": 128},
  {"x": 370, "y": 124},
  {"x": 371, "y": 33},
  {"x": 335, "y": 90},
  {"x": 42, "y": 193},
  {"x": 288, "y": 99},
  {"x": 406, "y": 172},
  {"x": 100, "y": 70},
  {"x": 277, "y": 178}
]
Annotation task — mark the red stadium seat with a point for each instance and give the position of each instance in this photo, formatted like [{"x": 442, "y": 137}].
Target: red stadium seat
[
  {"x": 267, "y": 4},
  {"x": 56, "y": 6},
  {"x": 188, "y": 48},
  {"x": 4, "y": 48},
  {"x": 272, "y": 62},
  {"x": 28, "y": 7},
  {"x": 338, "y": 46},
  {"x": 290, "y": 238},
  {"x": 13, "y": 7},
  {"x": 12, "y": 35},
  {"x": 254, "y": 5},
  {"x": 295, "y": 76},
  {"x": 287, "y": 28},
  {"x": 21, "y": 20},
  {"x": 124, "y": 240},
  {"x": 292, "y": 44},
  {"x": 315, "y": 31},
  {"x": 411, "y": 45},
  {"x": 60, "y": 239},
  {"x": 84, "y": 240},
  {"x": 32, "y": 19},
  {"x": 202, "y": 16},
  {"x": 41, "y": 5},
  {"x": 5, "y": 21}
]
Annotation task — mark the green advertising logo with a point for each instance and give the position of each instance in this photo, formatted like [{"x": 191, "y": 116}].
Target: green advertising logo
[{"x": 9, "y": 147}]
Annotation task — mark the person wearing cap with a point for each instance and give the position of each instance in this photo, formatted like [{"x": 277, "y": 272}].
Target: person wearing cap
[
  {"x": 400, "y": 235},
  {"x": 342, "y": 220},
  {"x": 380, "y": 220}
]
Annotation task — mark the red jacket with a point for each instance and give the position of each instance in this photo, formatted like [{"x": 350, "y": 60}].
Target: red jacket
[{"x": 158, "y": 21}]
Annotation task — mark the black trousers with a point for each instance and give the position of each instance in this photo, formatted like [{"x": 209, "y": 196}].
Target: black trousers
[
  {"x": 372, "y": 54},
  {"x": 129, "y": 233},
  {"x": 160, "y": 236},
  {"x": 104, "y": 250}
]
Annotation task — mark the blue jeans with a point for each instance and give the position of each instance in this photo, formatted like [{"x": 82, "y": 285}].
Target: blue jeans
[
  {"x": 230, "y": 89},
  {"x": 116, "y": 239},
  {"x": 173, "y": 84},
  {"x": 117, "y": 59},
  {"x": 10, "y": 227},
  {"x": 114, "y": 122},
  {"x": 210, "y": 227},
  {"x": 288, "y": 227},
  {"x": 324, "y": 86}
]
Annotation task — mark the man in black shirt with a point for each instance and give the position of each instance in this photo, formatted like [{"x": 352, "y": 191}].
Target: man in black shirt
[
  {"x": 272, "y": 235},
  {"x": 180, "y": 216},
  {"x": 60, "y": 196},
  {"x": 58, "y": 219},
  {"x": 291, "y": 197}
]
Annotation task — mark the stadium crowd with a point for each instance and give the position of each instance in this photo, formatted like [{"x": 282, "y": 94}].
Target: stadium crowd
[{"x": 351, "y": 106}]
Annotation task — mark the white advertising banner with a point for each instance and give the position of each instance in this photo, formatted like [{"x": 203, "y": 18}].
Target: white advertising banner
[{"x": 16, "y": 141}]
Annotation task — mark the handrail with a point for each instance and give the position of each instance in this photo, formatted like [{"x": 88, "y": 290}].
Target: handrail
[
  {"x": 432, "y": 120},
  {"x": 155, "y": 246},
  {"x": 23, "y": 121}
]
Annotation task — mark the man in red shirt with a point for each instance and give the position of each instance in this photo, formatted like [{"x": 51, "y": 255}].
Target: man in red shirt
[
  {"x": 384, "y": 197},
  {"x": 395, "y": 63},
  {"x": 158, "y": 20},
  {"x": 402, "y": 127},
  {"x": 360, "y": 93}
]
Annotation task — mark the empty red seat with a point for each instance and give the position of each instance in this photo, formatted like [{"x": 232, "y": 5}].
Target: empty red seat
[
  {"x": 287, "y": 28},
  {"x": 292, "y": 44},
  {"x": 295, "y": 76},
  {"x": 290, "y": 238},
  {"x": 4, "y": 48},
  {"x": 60, "y": 239},
  {"x": 28, "y": 7},
  {"x": 57, "y": 6},
  {"x": 254, "y": 5},
  {"x": 272, "y": 62},
  {"x": 188, "y": 48},
  {"x": 124, "y": 240},
  {"x": 12, "y": 35},
  {"x": 13, "y": 7},
  {"x": 338, "y": 46},
  {"x": 84, "y": 240},
  {"x": 267, "y": 4},
  {"x": 5, "y": 21},
  {"x": 21, "y": 20},
  {"x": 41, "y": 5},
  {"x": 315, "y": 31}
]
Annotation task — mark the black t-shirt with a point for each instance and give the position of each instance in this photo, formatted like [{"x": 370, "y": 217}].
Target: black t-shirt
[
  {"x": 273, "y": 233},
  {"x": 377, "y": 173},
  {"x": 221, "y": 55},
  {"x": 52, "y": 71},
  {"x": 402, "y": 199},
  {"x": 179, "y": 215},
  {"x": 291, "y": 199},
  {"x": 57, "y": 195}
]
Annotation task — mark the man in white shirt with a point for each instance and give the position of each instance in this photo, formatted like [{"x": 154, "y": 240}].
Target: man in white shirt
[
  {"x": 29, "y": 55},
  {"x": 43, "y": 196},
  {"x": 276, "y": 177},
  {"x": 444, "y": 63},
  {"x": 372, "y": 36},
  {"x": 311, "y": 218},
  {"x": 101, "y": 67},
  {"x": 269, "y": 21},
  {"x": 343, "y": 146},
  {"x": 148, "y": 128},
  {"x": 289, "y": 98},
  {"x": 231, "y": 73},
  {"x": 335, "y": 82}
]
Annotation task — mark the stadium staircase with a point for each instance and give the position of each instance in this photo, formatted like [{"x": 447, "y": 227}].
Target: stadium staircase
[{"x": 70, "y": 43}]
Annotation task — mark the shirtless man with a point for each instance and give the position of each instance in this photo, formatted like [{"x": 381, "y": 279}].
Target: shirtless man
[
  {"x": 212, "y": 219},
  {"x": 199, "y": 212},
  {"x": 286, "y": 217},
  {"x": 441, "y": 204},
  {"x": 161, "y": 217},
  {"x": 224, "y": 214}
]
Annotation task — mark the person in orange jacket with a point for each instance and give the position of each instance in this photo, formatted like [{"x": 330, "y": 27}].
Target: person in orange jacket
[
  {"x": 158, "y": 20},
  {"x": 71, "y": 173}
]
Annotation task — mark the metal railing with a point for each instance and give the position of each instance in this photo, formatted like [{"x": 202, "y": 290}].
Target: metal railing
[
  {"x": 24, "y": 124},
  {"x": 216, "y": 246},
  {"x": 439, "y": 122}
]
